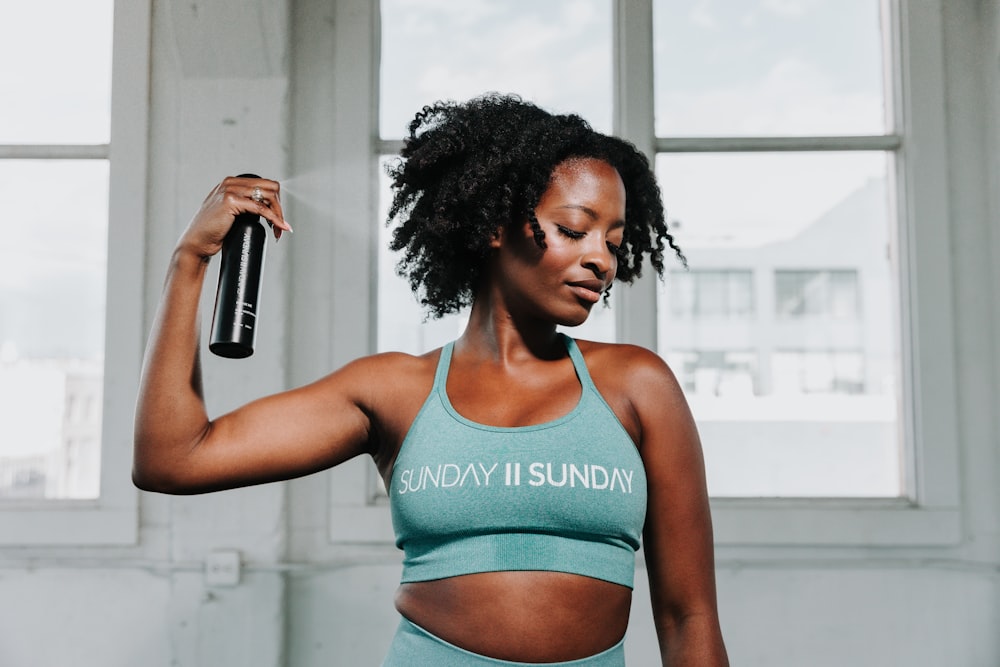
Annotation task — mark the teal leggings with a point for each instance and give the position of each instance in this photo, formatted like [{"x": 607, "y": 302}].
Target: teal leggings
[{"x": 413, "y": 646}]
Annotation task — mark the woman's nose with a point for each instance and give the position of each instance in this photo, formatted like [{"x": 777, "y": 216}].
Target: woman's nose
[{"x": 598, "y": 257}]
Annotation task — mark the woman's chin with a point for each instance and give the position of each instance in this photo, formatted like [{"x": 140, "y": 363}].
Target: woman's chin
[{"x": 574, "y": 319}]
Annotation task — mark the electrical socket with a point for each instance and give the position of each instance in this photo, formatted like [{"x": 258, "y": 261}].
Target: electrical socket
[{"x": 222, "y": 568}]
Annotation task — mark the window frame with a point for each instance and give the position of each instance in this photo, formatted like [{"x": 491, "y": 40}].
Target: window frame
[
  {"x": 112, "y": 518},
  {"x": 930, "y": 512}
]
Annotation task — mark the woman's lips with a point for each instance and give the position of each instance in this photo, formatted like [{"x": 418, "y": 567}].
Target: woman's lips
[{"x": 588, "y": 290}]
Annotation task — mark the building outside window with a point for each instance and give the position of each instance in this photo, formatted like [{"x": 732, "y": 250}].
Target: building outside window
[
  {"x": 716, "y": 372},
  {"x": 705, "y": 293},
  {"x": 817, "y": 293},
  {"x": 818, "y": 372}
]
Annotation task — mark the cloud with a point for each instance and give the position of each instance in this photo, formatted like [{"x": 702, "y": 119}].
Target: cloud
[
  {"x": 701, "y": 15},
  {"x": 557, "y": 54},
  {"x": 789, "y": 8},
  {"x": 792, "y": 98}
]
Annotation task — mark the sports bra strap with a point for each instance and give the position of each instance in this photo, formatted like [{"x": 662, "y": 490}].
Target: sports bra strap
[
  {"x": 578, "y": 363},
  {"x": 444, "y": 363}
]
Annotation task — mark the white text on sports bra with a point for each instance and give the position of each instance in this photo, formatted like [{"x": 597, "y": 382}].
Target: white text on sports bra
[{"x": 570, "y": 475}]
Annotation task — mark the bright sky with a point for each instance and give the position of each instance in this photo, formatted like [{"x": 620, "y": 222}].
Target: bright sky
[{"x": 55, "y": 71}]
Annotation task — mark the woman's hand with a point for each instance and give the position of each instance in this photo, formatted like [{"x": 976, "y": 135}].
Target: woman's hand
[{"x": 234, "y": 195}]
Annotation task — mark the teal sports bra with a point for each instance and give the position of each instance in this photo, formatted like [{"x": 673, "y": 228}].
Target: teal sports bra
[{"x": 568, "y": 495}]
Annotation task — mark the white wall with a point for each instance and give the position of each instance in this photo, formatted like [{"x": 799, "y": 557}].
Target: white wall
[{"x": 223, "y": 96}]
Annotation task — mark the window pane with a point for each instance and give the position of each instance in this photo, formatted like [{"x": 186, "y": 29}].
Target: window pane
[
  {"x": 776, "y": 67},
  {"x": 711, "y": 294},
  {"x": 52, "y": 294},
  {"x": 56, "y": 78},
  {"x": 796, "y": 394},
  {"x": 555, "y": 53},
  {"x": 816, "y": 293}
]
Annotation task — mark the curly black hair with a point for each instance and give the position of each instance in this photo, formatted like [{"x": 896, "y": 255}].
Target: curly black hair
[{"x": 467, "y": 169}]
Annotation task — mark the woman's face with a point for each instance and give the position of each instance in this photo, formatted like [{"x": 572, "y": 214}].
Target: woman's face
[{"x": 582, "y": 213}]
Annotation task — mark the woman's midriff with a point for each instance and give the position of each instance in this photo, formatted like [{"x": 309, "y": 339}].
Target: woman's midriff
[{"x": 520, "y": 616}]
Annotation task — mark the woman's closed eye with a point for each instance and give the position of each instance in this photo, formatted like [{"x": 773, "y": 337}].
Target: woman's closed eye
[
  {"x": 575, "y": 235},
  {"x": 570, "y": 233}
]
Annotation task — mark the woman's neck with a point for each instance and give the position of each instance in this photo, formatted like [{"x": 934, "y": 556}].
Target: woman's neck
[{"x": 494, "y": 332}]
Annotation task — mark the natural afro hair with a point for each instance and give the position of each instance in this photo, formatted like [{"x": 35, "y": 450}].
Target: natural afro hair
[{"x": 467, "y": 169}]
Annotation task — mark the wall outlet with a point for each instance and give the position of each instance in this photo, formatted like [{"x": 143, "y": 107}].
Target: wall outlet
[{"x": 222, "y": 568}]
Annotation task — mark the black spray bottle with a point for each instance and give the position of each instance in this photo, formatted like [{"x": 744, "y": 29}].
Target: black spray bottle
[{"x": 234, "y": 331}]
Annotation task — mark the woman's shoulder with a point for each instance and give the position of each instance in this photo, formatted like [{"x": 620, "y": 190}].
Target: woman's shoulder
[
  {"x": 623, "y": 360},
  {"x": 389, "y": 387},
  {"x": 392, "y": 359},
  {"x": 636, "y": 382},
  {"x": 393, "y": 369},
  {"x": 645, "y": 395},
  {"x": 633, "y": 373}
]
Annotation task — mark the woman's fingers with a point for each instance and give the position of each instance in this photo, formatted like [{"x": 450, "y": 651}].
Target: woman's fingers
[
  {"x": 232, "y": 196},
  {"x": 266, "y": 197}
]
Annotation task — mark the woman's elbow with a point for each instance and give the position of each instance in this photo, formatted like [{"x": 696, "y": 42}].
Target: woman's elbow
[
  {"x": 157, "y": 477},
  {"x": 147, "y": 479}
]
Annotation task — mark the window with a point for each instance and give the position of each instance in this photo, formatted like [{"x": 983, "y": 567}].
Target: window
[
  {"x": 809, "y": 75},
  {"x": 716, "y": 372},
  {"x": 774, "y": 183},
  {"x": 52, "y": 271},
  {"x": 711, "y": 294},
  {"x": 826, "y": 294},
  {"x": 75, "y": 182},
  {"x": 818, "y": 372}
]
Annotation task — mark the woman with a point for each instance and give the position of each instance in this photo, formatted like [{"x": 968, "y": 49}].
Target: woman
[{"x": 522, "y": 465}]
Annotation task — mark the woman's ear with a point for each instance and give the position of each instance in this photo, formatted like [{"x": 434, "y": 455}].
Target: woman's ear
[{"x": 497, "y": 238}]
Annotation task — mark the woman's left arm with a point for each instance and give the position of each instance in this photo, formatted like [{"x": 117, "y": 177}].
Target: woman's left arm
[{"x": 677, "y": 537}]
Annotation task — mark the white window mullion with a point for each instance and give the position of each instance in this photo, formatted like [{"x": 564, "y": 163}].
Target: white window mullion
[
  {"x": 885, "y": 142},
  {"x": 929, "y": 402},
  {"x": 633, "y": 120},
  {"x": 54, "y": 151},
  {"x": 352, "y": 516}
]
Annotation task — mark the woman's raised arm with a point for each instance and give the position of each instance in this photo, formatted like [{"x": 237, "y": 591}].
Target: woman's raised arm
[{"x": 177, "y": 448}]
